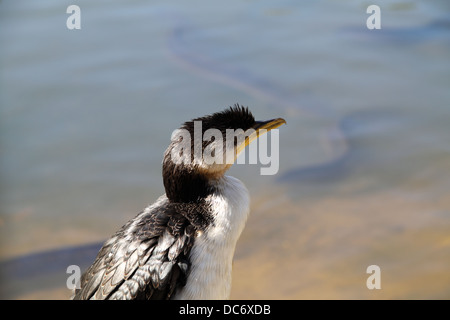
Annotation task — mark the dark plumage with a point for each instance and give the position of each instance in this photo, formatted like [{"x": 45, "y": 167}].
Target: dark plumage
[
  {"x": 146, "y": 259},
  {"x": 236, "y": 117}
]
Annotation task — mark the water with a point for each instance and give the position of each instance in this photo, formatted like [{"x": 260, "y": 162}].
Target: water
[{"x": 86, "y": 115}]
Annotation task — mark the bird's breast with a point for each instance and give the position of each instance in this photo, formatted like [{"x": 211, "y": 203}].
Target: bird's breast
[{"x": 213, "y": 250}]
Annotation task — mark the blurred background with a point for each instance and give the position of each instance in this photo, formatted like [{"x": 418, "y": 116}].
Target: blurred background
[{"x": 364, "y": 173}]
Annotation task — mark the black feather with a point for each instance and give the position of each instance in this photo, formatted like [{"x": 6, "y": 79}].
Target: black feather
[
  {"x": 148, "y": 258},
  {"x": 235, "y": 117}
]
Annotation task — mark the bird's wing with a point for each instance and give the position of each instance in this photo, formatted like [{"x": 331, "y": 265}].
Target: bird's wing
[{"x": 146, "y": 259}]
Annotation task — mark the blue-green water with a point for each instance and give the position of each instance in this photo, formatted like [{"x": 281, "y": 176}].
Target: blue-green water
[{"x": 86, "y": 115}]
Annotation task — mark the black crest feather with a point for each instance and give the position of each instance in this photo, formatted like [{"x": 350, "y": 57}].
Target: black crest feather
[{"x": 235, "y": 117}]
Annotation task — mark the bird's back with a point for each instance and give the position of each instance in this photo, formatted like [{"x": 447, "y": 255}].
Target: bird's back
[{"x": 146, "y": 259}]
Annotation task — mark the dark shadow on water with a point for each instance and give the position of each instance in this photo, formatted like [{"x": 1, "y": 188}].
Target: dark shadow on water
[
  {"x": 363, "y": 131},
  {"x": 43, "y": 270}
]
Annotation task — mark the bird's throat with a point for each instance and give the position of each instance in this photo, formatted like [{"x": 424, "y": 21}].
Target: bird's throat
[{"x": 184, "y": 185}]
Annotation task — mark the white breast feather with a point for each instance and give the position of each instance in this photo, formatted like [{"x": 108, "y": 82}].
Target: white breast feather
[{"x": 212, "y": 254}]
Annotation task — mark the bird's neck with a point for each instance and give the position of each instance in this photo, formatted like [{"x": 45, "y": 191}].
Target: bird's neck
[{"x": 187, "y": 186}]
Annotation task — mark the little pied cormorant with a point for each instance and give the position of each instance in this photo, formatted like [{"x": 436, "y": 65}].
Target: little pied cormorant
[{"x": 182, "y": 246}]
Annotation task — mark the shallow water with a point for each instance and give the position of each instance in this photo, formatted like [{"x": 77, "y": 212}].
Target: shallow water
[{"x": 86, "y": 115}]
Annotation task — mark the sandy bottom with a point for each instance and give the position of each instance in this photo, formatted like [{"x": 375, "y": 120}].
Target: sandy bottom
[
  {"x": 324, "y": 251},
  {"x": 309, "y": 248}
]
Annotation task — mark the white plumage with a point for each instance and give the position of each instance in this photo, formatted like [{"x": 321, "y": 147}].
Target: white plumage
[{"x": 213, "y": 250}]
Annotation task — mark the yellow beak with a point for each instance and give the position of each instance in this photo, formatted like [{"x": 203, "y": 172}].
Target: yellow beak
[{"x": 259, "y": 129}]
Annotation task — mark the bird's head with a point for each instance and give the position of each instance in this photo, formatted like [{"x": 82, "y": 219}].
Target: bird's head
[{"x": 205, "y": 148}]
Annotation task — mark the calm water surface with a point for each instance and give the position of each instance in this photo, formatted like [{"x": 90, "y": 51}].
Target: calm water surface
[{"x": 364, "y": 172}]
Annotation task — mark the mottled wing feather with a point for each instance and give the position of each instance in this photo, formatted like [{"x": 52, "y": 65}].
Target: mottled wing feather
[{"x": 145, "y": 259}]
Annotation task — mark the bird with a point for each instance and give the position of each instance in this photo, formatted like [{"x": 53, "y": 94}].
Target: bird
[{"x": 181, "y": 247}]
